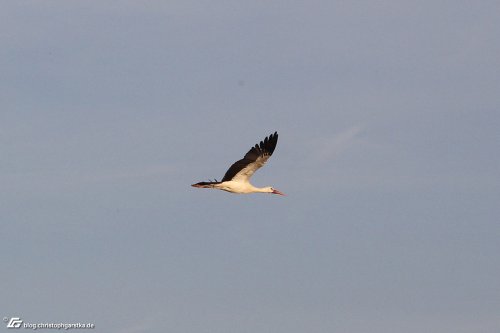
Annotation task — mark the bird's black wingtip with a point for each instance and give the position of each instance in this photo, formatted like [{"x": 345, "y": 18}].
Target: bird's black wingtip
[{"x": 269, "y": 143}]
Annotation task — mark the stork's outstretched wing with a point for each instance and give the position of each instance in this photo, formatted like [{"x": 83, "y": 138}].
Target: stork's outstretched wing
[{"x": 256, "y": 157}]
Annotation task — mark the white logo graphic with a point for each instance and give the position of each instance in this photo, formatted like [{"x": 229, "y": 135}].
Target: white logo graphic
[{"x": 14, "y": 322}]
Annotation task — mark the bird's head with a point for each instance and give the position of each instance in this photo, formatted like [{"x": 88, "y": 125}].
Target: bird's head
[{"x": 274, "y": 191}]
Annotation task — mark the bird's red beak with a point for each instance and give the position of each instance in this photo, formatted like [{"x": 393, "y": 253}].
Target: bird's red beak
[{"x": 275, "y": 191}]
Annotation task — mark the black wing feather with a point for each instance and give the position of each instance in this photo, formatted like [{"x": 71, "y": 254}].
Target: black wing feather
[{"x": 265, "y": 147}]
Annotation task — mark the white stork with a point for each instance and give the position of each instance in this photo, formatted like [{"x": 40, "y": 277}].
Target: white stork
[{"x": 236, "y": 179}]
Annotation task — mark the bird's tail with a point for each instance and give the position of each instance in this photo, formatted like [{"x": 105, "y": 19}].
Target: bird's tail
[{"x": 209, "y": 184}]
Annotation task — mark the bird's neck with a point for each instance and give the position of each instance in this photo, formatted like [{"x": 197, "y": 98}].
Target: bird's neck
[{"x": 263, "y": 189}]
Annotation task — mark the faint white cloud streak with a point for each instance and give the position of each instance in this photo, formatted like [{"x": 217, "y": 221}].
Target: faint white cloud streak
[
  {"x": 315, "y": 167},
  {"x": 329, "y": 148}
]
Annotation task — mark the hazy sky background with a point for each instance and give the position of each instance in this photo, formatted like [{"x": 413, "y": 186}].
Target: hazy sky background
[{"x": 389, "y": 123}]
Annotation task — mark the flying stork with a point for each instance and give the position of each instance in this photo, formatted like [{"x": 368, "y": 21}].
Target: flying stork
[{"x": 236, "y": 179}]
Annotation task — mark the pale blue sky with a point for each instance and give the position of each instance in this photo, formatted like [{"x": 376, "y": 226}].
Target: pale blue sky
[{"x": 389, "y": 123}]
